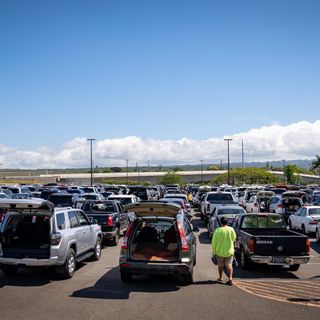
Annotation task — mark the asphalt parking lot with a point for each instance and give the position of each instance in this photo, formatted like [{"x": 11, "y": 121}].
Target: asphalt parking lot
[{"x": 96, "y": 292}]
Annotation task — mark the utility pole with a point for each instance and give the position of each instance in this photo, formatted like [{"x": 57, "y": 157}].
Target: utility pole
[
  {"x": 283, "y": 166},
  {"x": 148, "y": 166},
  {"x": 201, "y": 163},
  {"x": 228, "y": 141},
  {"x": 91, "y": 162},
  {"x": 242, "y": 153},
  {"x": 127, "y": 161}
]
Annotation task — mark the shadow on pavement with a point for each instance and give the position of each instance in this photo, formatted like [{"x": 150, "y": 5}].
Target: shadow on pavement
[
  {"x": 204, "y": 237},
  {"x": 315, "y": 246},
  {"x": 32, "y": 277},
  {"x": 109, "y": 286}
]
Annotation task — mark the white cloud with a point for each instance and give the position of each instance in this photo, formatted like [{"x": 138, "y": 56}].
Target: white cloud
[{"x": 275, "y": 142}]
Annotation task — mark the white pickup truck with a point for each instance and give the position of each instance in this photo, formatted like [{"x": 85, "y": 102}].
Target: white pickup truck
[{"x": 213, "y": 199}]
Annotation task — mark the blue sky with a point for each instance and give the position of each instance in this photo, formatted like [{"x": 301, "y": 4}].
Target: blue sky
[{"x": 155, "y": 69}]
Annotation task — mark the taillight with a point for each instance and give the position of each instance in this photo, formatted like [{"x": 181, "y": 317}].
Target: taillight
[
  {"x": 125, "y": 239},
  {"x": 56, "y": 239},
  {"x": 279, "y": 205},
  {"x": 307, "y": 245},
  {"x": 313, "y": 222},
  {"x": 182, "y": 205},
  {"x": 110, "y": 221},
  {"x": 184, "y": 242},
  {"x": 251, "y": 246}
]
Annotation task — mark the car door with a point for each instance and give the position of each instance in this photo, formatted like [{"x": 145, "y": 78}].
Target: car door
[
  {"x": 123, "y": 217},
  {"x": 302, "y": 219},
  {"x": 86, "y": 233}
]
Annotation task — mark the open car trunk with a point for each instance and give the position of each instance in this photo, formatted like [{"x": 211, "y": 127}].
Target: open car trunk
[
  {"x": 291, "y": 204},
  {"x": 155, "y": 241},
  {"x": 26, "y": 236}
]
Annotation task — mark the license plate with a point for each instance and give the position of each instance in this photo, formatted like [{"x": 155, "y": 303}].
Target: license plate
[{"x": 278, "y": 259}]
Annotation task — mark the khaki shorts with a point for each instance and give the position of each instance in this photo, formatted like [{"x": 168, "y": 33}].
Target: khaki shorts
[{"x": 224, "y": 262}]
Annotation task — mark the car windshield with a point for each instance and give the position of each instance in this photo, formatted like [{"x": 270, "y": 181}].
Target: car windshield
[
  {"x": 61, "y": 201},
  {"x": 314, "y": 212},
  {"x": 219, "y": 197},
  {"x": 261, "y": 222},
  {"x": 229, "y": 211}
]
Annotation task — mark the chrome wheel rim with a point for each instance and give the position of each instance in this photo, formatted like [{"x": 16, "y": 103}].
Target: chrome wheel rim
[
  {"x": 71, "y": 264},
  {"x": 98, "y": 249}
]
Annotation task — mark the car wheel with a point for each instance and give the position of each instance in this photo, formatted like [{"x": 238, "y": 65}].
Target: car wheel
[
  {"x": 115, "y": 239},
  {"x": 245, "y": 261},
  {"x": 187, "y": 278},
  {"x": 69, "y": 266},
  {"x": 97, "y": 250},
  {"x": 125, "y": 276},
  {"x": 294, "y": 267},
  {"x": 9, "y": 270},
  {"x": 318, "y": 235}
]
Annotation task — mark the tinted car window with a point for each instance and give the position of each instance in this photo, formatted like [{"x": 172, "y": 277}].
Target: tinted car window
[
  {"x": 230, "y": 211},
  {"x": 61, "y": 222},
  {"x": 219, "y": 197},
  {"x": 99, "y": 207},
  {"x": 73, "y": 219}
]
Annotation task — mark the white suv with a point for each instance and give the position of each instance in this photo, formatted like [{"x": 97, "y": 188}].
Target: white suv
[{"x": 33, "y": 233}]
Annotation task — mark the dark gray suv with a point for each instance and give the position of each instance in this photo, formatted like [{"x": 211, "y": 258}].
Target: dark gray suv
[{"x": 159, "y": 241}]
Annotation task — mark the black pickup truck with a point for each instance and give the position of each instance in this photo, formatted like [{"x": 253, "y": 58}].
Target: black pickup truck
[
  {"x": 264, "y": 238},
  {"x": 110, "y": 215}
]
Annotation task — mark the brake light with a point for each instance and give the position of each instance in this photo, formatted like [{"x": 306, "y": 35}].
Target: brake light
[
  {"x": 251, "y": 246},
  {"x": 110, "y": 221},
  {"x": 184, "y": 242},
  {"x": 279, "y": 205},
  {"x": 307, "y": 245},
  {"x": 56, "y": 239},
  {"x": 125, "y": 239},
  {"x": 313, "y": 222},
  {"x": 182, "y": 205}
]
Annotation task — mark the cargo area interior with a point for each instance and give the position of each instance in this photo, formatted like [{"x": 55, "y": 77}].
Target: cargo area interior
[
  {"x": 27, "y": 236},
  {"x": 270, "y": 232},
  {"x": 155, "y": 241}
]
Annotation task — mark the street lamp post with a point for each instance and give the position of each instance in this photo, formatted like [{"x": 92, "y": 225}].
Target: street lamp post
[
  {"x": 201, "y": 163},
  {"x": 91, "y": 162},
  {"x": 228, "y": 141},
  {"x": 127, "y": 161},
  {"x": 283, "y": 168}
]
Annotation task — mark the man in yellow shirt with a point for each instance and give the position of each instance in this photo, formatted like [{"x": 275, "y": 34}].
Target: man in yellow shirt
[{"x": 223, "y": 247}]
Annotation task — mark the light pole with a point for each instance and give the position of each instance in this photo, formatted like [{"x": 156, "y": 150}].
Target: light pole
[
  {"x": 283, "y": 167},
  {"x": 201, "y": 163},
  {"x": 228, "y": 141},
  {"x": 127, "y": 161},
  {"x": 91, "y": 162}
]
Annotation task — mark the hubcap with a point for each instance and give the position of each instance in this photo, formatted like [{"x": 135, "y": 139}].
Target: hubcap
[
  {"x": 98, "y": 249},
  {"x": 71, "y": 264}
]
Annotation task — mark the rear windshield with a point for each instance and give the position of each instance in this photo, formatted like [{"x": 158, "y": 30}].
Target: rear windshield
[
  {"x": 229, "y": 211},
  {"x": 124, "y": 201},
  {"x": 219, "y": 197},
  {"x": 261, "y": 222},
  {"x": 99, "y": 207},
  {"x": 61, "y": 201},
  {"x": 314, "y": 212}
]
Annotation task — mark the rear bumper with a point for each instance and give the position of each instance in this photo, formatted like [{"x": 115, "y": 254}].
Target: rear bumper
[
  {"x": 271, "y": 260},
  {"x": 27, "y": 262},
  {"x": 155, "y": 268}
]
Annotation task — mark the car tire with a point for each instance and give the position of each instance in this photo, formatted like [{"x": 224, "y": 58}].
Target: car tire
[
  {"x": 245, "y": 262},
  {"x": 69, "y": 267},
  {"x": 187, "y": 278},
  {"x": 318, "y": 235},
  {"x": 125, "y": 276},
  {"x": 294, "y": 267},
  {"x": 115, "y": 240},
  {"x": 97, "y": 251},
  {"x": 9, "y": 270}
]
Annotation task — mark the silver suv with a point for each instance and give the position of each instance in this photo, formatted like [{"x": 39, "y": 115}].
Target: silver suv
[{"x": 34, "y": 234}]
